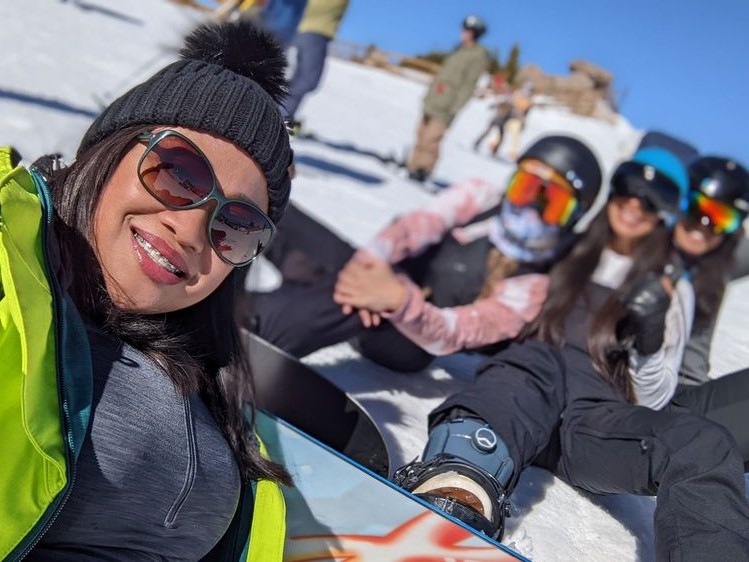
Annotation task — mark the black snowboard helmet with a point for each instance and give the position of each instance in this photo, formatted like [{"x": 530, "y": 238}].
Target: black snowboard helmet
[
  {"x": 476, "y": 25},
  {"x": 572, "y": 160},
  {"x": 721, "y": 179}
]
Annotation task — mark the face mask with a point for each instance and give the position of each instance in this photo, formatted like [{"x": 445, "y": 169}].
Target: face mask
[{"x": 520, "y": 233}]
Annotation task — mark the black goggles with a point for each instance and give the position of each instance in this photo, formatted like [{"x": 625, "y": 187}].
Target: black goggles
[
  {"x": 657, "y": 192},
  {"x": 177, "y": 173}
]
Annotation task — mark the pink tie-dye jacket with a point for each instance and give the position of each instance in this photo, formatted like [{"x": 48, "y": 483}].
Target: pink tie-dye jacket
[{"x": 513, "y": 303}]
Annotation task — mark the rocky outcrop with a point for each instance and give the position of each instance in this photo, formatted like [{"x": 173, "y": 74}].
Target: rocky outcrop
[{"x": 584, "y": 91}]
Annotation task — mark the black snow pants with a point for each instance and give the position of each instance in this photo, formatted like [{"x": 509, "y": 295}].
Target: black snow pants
[
  {"x": 533, "y": 394},
  {"x": 724, "y": 400}
]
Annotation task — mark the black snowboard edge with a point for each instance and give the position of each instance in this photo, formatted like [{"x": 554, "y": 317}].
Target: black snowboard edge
[{"x": 294, "y": 392}]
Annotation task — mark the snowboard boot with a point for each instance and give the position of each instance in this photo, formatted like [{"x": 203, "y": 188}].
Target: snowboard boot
[{"x": 465, "y": 472}]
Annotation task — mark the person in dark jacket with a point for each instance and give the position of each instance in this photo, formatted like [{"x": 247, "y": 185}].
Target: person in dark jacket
[{"x": 450, "y": 90}]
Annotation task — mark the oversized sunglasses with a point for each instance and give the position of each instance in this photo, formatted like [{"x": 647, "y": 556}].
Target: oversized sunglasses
[
  {"x": 556, "y": 201},
  {"x": 658, "y": 193},
  {"x": 719, "y": 217},
  {"x": 177, "y": 173}
]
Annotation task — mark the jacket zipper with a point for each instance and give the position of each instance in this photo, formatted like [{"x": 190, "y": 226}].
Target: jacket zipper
[
  {"x": 59, "y": 365},
  {"x": 187, "y": 485}
]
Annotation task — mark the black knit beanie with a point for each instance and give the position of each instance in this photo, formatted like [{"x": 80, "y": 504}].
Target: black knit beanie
[{"x": 228, "y": 81}]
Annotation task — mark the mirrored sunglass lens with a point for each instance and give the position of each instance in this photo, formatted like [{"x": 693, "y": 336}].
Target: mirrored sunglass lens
[
  {"x": 240, "y": 232},
  {"x": 175, "y": 173},
  {"x": 523, "y": 188}
]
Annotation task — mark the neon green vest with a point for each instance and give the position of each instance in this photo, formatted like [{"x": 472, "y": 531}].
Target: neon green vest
[{"x": 46, "y": 381}]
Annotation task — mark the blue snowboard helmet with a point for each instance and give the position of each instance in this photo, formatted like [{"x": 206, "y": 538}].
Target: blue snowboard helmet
[{"x": 658, "y": 179}]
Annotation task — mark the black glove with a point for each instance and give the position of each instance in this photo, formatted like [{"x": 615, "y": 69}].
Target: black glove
[{"x": 647, "y": 304}]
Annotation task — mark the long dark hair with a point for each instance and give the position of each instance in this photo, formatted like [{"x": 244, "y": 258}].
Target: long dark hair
[
  {"x": 567, "y": 282},
  {"x": 198, "y": 347},
  {"x": 709, "y": 276}
]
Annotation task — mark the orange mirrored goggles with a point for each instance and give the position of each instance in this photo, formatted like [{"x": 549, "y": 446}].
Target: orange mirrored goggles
[{"x": 556, "y": 201}]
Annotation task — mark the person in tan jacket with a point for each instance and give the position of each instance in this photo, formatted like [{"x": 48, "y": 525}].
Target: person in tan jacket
[
  {"x": 318, "y": 27},
  {"x": 449, "y": 92}
]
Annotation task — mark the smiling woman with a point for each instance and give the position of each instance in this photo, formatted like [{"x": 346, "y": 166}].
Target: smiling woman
[
  {"x": 162, "y": 215},
  {"x": 174, "y": 192}
]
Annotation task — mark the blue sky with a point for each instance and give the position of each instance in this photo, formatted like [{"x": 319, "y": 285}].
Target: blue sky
[{"x": 681, "y": 66}]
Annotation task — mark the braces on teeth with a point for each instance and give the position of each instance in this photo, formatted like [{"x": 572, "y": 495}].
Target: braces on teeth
[{"x": 156, "y": 256}]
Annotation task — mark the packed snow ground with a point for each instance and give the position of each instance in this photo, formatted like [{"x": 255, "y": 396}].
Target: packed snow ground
[{"x": 63, "y": 60}]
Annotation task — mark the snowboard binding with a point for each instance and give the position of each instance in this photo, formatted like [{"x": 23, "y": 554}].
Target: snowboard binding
[{"x": 465, "y": 473}]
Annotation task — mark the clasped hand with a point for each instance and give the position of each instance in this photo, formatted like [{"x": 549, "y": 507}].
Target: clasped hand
[{"x": 369, "y": 286}]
